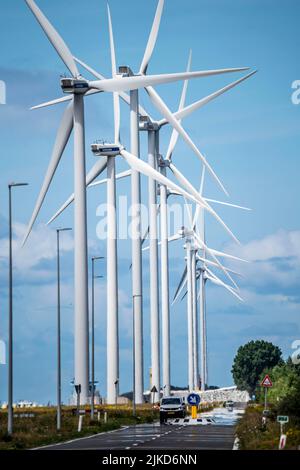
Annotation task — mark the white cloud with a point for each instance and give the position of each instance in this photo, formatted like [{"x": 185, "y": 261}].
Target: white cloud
[
  {"x": 282, "y": 244},
  {"x": 40, "y": 246}
]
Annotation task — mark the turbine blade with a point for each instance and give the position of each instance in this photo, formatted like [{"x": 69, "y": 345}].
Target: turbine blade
[
  {"x": 188, "y": 110},
  {"x": 136, "y": 82},
  {"x": 116, "y": 98},
  {"x": 61, "y": 141},
  {"x": 56, "y": 40},
  {"x": 62, "y": 100},
  {"x": 211, "y": 263},
  {"x": 189, "y": 187},
  {"x": 173, "y": 238},
  {"x": 202, "y": 181},
  {"x": 175, "y": 135},
  {"x": 161, "y": 106},
  {"x": 96, "y": 170},
  {"x": 184, "y": 295},
  {"x": 147, "y": 170},
  {"x": 218, "y": 282},
  {"x": 145, "y": 236},
  {"x": 89, "y": 69},
  {"x": 181, "y": 285},
  {"x": 119, "y": 176},
  {"x": 211, "y": 253},
  {"x": 197, "y": 212},
  {"x": 227, "y": 204},
  {"x": 152, "y": 37},
  {"x": 226, "y": 255},
  {"x": 53, "y": 102}
]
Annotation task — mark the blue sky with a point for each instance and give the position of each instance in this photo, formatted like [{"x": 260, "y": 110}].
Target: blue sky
[{"x": 250, "y": 136}]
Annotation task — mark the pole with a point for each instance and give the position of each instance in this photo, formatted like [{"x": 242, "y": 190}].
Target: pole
[
  {"x": 133, "y": 358},
  {"x": 81, "y": 330},
  {"x": 153, "y": 257},
  {"x": 93, "y": 340},
  {"x": 195, "y": 321},
  {"x": 112, "y": 285},
  {"x": 202, "y": 331},
  {"x": 205, "y": 337},
  {"x": 266, "y": 398},
  {"x": 190, "y": 316},
  {"x": 165, "y": 304},
  {"x": 10, "y": 326},
  {"x": 58, "y": 417},
  {"x": 94, "y": 258},
  {"x": 137, "y": 290}
]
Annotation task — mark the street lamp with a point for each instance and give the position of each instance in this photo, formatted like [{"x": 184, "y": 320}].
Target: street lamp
[
  {"x": 10, "y": 315},
  {"x": 58, "y": 415},
  {"x": 94, "y": 258}
]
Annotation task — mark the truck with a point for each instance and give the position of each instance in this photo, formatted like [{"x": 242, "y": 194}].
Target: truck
[{"x": 171, "y": 407}]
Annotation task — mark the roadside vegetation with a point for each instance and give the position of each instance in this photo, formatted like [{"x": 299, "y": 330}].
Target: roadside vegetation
[
  {"x": 283, "y": 397},
  {"x": 36, "y": 427}
]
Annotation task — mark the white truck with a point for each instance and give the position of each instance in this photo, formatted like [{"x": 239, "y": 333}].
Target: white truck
[{"x": 172, "y": 407}]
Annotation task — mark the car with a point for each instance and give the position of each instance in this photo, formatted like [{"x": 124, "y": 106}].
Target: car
[
  {"x": 229, "y": 404},
  {"x": 171, "y": 407}
]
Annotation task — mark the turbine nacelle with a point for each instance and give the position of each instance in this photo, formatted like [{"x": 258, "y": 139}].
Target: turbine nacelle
[
  {"x": 106, "y": 150},
  {"x": 186, "y": 233},
  {"x": 145, "y": 124},
  {"x": 125, "y": 71},
  {"x": 74, "y": 85},
  {"x": 163, "y": 163}
]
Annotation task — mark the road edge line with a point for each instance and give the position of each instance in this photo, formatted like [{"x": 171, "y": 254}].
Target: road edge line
[{"x": 80, "y": 438}]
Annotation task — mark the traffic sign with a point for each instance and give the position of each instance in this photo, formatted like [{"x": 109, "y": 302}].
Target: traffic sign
[
  {"x": 154, "y": 389},
  {"x": 282, "y": 419},
  {"x": 267, "y": 382},
  {"x": 193, "y": 399}
]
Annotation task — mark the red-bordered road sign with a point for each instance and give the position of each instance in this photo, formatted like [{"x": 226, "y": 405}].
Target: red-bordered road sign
[{"x": 267, "y": 382}]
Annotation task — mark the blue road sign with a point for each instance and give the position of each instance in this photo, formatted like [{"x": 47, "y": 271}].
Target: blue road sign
[{"x": 193, "y": 399}]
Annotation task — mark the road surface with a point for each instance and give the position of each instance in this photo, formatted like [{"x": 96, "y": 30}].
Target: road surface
[{"x": 155, "y": 436}]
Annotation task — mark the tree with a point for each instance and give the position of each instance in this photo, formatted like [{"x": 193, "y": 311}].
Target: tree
[
  {"x": 251, "y": 360},
  {"x": 285, "y": 378}
]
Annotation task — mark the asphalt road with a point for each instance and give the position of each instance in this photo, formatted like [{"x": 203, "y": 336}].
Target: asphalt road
[{"x": 155, "y": 436}]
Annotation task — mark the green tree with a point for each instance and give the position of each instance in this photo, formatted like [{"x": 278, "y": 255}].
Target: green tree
[
  {"x": 285, "y": 379},
  {"x": 251, "y": 360}
]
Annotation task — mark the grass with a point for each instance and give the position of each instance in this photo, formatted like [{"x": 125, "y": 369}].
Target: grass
[
  {"x": 254, "y": 436},
  {"x": 40, "y": 429}
]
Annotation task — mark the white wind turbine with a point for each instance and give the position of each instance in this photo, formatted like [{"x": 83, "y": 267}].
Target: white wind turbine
[
  {"x": 195, "y": 244},
  {"x": 73, "y": 116},
  {"x": 192, "y": 244}
]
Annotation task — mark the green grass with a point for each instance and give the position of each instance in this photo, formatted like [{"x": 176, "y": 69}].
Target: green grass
[{"x": 41, "y": 429}]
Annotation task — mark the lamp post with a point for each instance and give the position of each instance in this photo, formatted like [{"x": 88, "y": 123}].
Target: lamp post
[
  {"x": 94, "y": 258},
  {"x": 10, "y": 314},
  {"x": 58, "y": 414}
]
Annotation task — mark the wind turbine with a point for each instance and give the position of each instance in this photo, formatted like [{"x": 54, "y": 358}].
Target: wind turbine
[
  {"x": 190, "y": 276},
  {"x": 73, "y": 116}
]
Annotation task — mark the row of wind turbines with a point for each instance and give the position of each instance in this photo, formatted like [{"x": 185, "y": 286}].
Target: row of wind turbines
[{"x": 201, "y": 260}]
